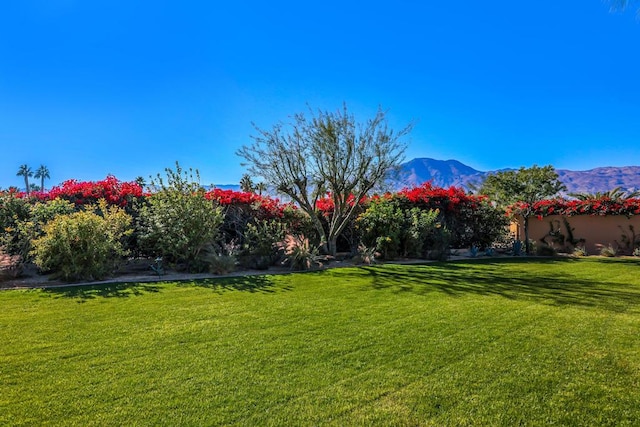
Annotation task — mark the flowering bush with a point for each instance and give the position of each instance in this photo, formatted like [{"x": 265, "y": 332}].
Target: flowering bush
[
  {"x": 451, "y": 199},
  {"x": 110, "y": 189},
  {"x": 263, "y": 207},
  {"x": 469, "y": 219},
  {"x": 114, "y": 191},
  {"x": 602, "y": 206}
]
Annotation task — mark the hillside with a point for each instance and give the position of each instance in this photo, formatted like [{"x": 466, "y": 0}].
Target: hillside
[{"x": 445, "y": 173}]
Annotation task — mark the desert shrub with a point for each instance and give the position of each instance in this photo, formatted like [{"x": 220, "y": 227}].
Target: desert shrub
[
  {"x": 365, "y": 255},
  {"x": 580, "y": 251},
  {"x": 263, "y": 243},
  {"x": 221, "y": 263},
  {"x": 608, "y": 251},
  {"x": 264, "y": 237},
  {"x": 302, "y": 255},
  {"x": 83, "y": 245},
  {"x": 178, "y": 223}
]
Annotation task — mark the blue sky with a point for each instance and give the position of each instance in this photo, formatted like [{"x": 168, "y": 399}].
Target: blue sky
[{"x": 95, "y": 87}]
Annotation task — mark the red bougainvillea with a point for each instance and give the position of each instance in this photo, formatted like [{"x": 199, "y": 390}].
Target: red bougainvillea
[
  {"x": 114, "y": 191},
  {"x": 602, "y": 206},
  {"x": 326, "y": 204},
  {"x": 445, "y": 199},
  {"x": 265, "y": 207},
  {"x": 425, "y": 196}
]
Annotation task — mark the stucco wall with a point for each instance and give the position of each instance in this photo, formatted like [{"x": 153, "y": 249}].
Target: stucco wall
[{"x": 597, "y": 231}]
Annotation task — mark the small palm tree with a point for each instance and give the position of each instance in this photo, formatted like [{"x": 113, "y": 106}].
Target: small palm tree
[
  {"x": 261, "y": 187},
  {"x": 140, "y": 181},
  {"x": 617, "y": 194},
  {"x": 43, "y": 173},
  {"x": 25, "y": 171},
  {"x": 246, "y": 184}
]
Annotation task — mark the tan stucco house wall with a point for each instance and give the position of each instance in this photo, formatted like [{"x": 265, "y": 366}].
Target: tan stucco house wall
[{"x": 592, "y": 232}]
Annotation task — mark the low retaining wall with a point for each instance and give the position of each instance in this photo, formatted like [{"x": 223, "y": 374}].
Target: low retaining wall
[{"x": 592, "y": 232}]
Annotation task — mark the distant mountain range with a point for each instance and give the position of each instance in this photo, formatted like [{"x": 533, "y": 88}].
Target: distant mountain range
[{"x": 445, "y": 173}]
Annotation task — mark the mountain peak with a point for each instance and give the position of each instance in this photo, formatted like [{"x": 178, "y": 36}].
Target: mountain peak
[
  {"x": 447, "y": 173},
  {"x": 442, "y": 173}
]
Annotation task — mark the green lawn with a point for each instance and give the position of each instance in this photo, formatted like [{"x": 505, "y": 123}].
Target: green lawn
[{"x": 486, "y": 342}]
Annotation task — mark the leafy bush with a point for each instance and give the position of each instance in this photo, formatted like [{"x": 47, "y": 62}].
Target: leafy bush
[
  {"x": 394, "y": 231},
  {"x": 440, "y": 243},
  {"x": 178, "y": 223},
  {"x": 83, "y": 245},
  {"x": 419, "y": 226},
  {"x": 13, "y": 211},
  {"x": 478, "y": 224},
  {"x": 40, "y": 213},
  {"x": 380, "y": 227}
]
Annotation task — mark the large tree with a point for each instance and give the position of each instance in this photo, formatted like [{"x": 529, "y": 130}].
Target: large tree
[
  {"x": 25, "y": 171},
  {"x": 528, "y": 185},
  {"x": 328, "y": 153},
  {"x": 43, "y": 173}
]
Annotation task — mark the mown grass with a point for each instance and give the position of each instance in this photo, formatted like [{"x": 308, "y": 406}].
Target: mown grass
[{"x": 508, "y": 342}]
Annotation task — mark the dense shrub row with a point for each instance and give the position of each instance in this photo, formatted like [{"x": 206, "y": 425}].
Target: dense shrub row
[
  {"x": 596, "y": 206},
  {"x": 82, "y": 230}
]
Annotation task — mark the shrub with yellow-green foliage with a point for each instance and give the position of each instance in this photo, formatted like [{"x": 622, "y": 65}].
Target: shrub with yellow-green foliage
[
  {"x": 31, "y": 228},
  {"x": 85, "y": 245}
]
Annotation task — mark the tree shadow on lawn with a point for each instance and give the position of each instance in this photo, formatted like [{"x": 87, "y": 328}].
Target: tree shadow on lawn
[
  {"x": 105, "y": 290},
  {"x": 503, "y": 278},
  {"x": 128, "y": 289},
  {"x": 252, "y": 284}
]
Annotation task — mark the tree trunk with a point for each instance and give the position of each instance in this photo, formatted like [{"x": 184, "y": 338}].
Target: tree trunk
[
  {"x": 324, "y": 247},
  {"x": 333, "y": 245},
  {"x": 527, "y": 246}
]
